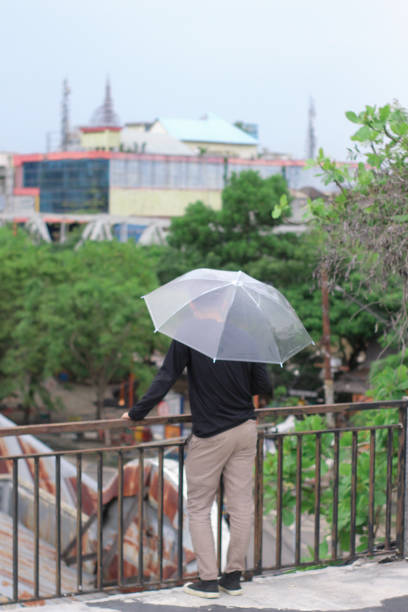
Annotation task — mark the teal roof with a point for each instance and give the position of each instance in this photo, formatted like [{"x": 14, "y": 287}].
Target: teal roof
[{"x": 209, "y": 129}]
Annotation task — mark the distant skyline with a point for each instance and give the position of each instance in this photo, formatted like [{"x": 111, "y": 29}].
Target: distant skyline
[{"x": 258, "y": 62}]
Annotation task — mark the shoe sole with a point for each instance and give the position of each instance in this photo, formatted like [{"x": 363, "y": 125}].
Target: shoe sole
[
  {"x": 231, "y": 592},
  {"x": 202, "y": 594}
]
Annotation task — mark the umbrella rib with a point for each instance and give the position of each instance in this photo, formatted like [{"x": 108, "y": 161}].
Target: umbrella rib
[
  {"x": 185, "y": 303},
  {"x": 280, "y": 306},
  {"x": 262, "y": 313},
  {"x": 277, "y": 304}
]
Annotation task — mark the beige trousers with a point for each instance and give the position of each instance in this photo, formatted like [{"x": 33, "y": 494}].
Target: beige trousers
[{"x": 232, "y": 454}]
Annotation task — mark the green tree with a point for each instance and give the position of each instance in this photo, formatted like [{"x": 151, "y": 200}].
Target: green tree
[
  {"x": 231, "y": 237},
  {"x": 242, "y": 236},
  {"x": 389, "y": 377},
  {"x": 26, "y": 363},
  {"x": 100, "y": 326},
  {"x": 365, "y": 223},
  {"x": 78, "y": 310},
  {"x": 316, "y": 422},
  {"x": 18, "y": 266}
]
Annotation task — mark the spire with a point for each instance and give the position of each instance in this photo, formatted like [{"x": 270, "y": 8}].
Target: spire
[
  {"x": 105, "y": 114},
  {"x": 311, "y": 131},
  {"x": 65, "y": 116}
]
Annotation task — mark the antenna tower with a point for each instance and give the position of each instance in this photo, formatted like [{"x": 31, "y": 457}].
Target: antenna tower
[
  {"x": 311, "y": 131},
  {"x": 65, "y": 116}
]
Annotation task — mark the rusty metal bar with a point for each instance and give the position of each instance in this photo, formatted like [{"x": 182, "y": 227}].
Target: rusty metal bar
[
  {"x": 388, "y": 504},
  {"x": 58, "y": 524},
  {"x": 99, "y": 545},
  {"x": 140, "y": 515},
  {"x": 353, "y": 499},
  {"x": 186, "y": 418},
  {"x": 81, "y": 426},
  {"x": 72, "y": 544},
  {"x": 335, "y": 509},
  {"x": 113, "y": 550},
  {"x": 79, "y": 521},
  {"x": 15, "y": 529},
  {"x": 36, "y": 528},
  {"x": 402, "y": 444},
  {"x": 313, "y": 432},
  {"x": 120, "y": 518},
  {"x": 160, "y": 515},
  {"x": 180, "y": 511},
  {"x": 317, "y": 490},
  {"x": 220, "y": 502},
  {"x": 371, "y": 493},
  {"x": 298, "y": 520},
  {"x": 279, "y": 494},
  {"x": 258, "y": 511},
  {"x": 171, "y": 442}
]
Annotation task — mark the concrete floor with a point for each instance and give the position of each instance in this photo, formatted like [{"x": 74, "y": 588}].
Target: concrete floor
[{"x": 365, "y": 586}]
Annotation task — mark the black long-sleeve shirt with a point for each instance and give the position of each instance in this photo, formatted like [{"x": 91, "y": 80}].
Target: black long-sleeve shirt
[{"x": 220, "y": 392}]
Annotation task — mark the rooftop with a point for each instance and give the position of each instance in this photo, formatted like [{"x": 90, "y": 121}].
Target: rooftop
[{"x": 210, "y": 128}]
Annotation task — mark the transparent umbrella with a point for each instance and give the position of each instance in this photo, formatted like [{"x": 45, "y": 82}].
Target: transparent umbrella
[{"x": 228, "y": 315}]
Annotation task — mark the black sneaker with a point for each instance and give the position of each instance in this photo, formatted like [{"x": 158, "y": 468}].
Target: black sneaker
[
  {"x": 202, "y": 588},
  {"x": 231, "y": 583}
]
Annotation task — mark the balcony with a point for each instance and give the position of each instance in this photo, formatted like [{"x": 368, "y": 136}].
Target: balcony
[{"x": 64, "y": 532}]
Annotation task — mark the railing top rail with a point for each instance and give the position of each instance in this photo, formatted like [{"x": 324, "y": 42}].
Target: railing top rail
[
  {"x": 140, "y": 446},
  {"x": 107, "y": 424}
]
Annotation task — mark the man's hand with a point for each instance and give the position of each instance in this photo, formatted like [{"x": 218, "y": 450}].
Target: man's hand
[{"x": 125, "y": 416}]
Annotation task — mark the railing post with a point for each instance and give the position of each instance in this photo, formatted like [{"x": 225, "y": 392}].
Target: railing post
[
  {"x": 258, "y": 522},
  {"x": 404, "y": 422},
  {"x": 15, "y": 529},
  {"x": 402, "y": 477}
]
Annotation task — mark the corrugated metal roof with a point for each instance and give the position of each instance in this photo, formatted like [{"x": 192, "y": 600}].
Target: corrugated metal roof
[
  {"x": 26, "y": 445},
  {"x": 209, "y": 129},
  {"x": 47, "y": 572}
]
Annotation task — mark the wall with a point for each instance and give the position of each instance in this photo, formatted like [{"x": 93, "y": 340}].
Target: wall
[
  {"x": 166, "y": 172},
  {"x": 159, "y": 202},
  {"x": 105, "y": 139},
  {"x": 6, "y": 181},
  {"x": 140, "y": 184},
  {"x": 224, "y": 149},
  {"x": 68, "y": 185}
]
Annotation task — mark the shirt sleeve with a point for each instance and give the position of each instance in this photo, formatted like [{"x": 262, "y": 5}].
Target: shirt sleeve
[
  {"x": 173, "y": 365},
  {"x": 260, "y": 381}
]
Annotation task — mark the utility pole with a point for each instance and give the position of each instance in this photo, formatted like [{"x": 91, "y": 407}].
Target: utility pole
[{"x": 328, "y": 378}]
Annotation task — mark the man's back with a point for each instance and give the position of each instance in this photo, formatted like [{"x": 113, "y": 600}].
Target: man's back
[{"x": 221, "y": 391}]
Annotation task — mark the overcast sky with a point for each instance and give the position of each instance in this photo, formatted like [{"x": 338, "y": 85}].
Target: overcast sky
[{"x": 253, "y": 60}]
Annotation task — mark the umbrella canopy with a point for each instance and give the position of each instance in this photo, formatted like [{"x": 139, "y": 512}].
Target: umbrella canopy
[{"x": 228, "y": 315}]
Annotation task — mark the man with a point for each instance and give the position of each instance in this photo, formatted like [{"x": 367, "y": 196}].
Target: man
[{"x": 223, "y": 442}]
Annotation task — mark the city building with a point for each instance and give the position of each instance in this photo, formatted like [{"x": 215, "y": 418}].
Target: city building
[
  {"x": 6, "y": 179},
  {"x": 147, "y": 185},
  {"x": 210, "y": 135}
]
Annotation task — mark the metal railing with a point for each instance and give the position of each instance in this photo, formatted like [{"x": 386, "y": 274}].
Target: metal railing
[{"x": 96, "y": 541}]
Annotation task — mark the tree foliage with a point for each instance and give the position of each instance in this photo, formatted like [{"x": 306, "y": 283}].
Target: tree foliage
[
  {"x": 365, "y": 223},
  {"x": 74, "y": 310},
  {"x": 243, "y": 236},
  {"x": 233, "y": 236},
  {"x": 328, "y": 476}
]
